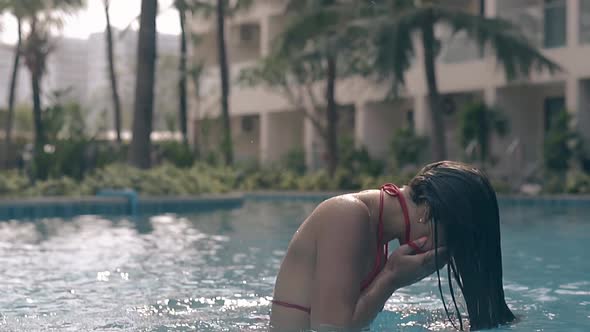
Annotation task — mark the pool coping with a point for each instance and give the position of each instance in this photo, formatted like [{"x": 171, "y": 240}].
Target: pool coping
[
  {"x": 121, "y": 205},
  {"x": 116, "y": 205}
]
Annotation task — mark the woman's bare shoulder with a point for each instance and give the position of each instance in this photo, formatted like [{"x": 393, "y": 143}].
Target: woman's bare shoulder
[{"x": 342, "y": 207}]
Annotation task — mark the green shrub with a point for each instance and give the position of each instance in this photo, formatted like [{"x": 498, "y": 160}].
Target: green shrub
[
  {"x": 553, "y": 183},
  {"x": 501, "y": 186},
  {"x": 577, "y": 182},
  {"x": 12, "y": 183},
  {"x": 175, "y": 153},
  {"x": 408, "y": 148},
  {"x": 561, "y": 144},
  {"x": 358, "y": 160},
  {"x": 294, "y": 161},
  {"x": 55, "y": 187},
  {"x": 316, "y": 181},
  {"x": 477, "y": 122}
]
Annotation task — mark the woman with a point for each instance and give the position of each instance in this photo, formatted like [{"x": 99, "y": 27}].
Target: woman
[{"x": 336, "y": 271}]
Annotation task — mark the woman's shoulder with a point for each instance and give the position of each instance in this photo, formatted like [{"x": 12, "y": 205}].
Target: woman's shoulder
[{"x": 346, "y": 208}]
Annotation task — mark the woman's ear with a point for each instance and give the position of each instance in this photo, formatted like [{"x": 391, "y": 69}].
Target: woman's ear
[{"x": 424, "y": 213}]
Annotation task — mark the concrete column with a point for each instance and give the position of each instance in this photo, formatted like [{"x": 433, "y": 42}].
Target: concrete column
[
  {"x": 360, "y": 123},
  {"x": 265, "y": 138},
  {"x": 572, "y": 95},
  {"x": 490, "y": 96},
  {"x": 573, "y": 22},
  {"x": 421, "y": 116},
  {"x": 310, "y": 143},
  {"x": 491, "y": 8},
  {"x": 265, "y": 36}
]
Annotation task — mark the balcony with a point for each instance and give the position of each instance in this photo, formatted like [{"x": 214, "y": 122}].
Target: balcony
[{"x": 543, "y": 22}]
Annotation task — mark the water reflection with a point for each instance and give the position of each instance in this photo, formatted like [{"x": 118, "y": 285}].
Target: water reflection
[{"x": 143, "y": 225}]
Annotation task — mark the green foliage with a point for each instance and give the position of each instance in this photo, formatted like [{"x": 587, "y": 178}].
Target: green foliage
[
  {"x": 393, "y": 22},
  {"x": 23, "y": 118},
  {"x": 163, "y": 180},
  {"x": 202, "y": 178},
  {"x": 294, "y": 161},
  {"x": 577, "y": 182},
  {"x": 176, "y": 153},
  {"x": 12, "y": 183},
  {"x": 501, "y": 186},
  {"x": 358, "y": 160},
  {"x": 561, "y": 144},
  {"x": 553, "y": 183},
  {"x": 407, "y": 147},
  {"x": 63, "y": 186},
  {"x": 64, "y": 122},
  {"x": 477, "y": 122}
]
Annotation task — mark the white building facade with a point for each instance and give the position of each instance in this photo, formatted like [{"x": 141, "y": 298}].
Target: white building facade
[{"x": 266, "y": 126}]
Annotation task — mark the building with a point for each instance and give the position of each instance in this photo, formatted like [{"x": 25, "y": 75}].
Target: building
[
  {"x": 77, "y": 70},
  {"x": 266, "y": 126}
]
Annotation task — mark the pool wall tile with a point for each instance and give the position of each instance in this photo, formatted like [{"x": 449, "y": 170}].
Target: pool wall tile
[
  {"x": 52, "y": 207},
  {"x": 49, "y": 207}
]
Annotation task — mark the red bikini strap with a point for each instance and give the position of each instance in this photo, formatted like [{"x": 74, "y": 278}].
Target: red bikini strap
[{"x": 392, "y": 190}]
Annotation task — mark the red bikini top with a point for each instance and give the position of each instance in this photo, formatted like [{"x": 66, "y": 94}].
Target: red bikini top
[{"x": 394, "y": 191}]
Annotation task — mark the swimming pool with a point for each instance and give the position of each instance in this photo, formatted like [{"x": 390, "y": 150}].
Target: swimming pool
[{"x": 215, "y": 272}]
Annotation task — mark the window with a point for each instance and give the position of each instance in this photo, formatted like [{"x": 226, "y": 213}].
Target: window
[
  {"x": 553, "y": 106},
  {"x": 410, "y": 119},
  {"x": 248, "y": 32},
  {"x": 248, "y": 123},
  {"x": 554, "y": 27}
]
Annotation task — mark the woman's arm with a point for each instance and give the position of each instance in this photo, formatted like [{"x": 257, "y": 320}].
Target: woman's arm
[
  {"x": 403, "y": 268},
  {"x": 341, "y": 252}
]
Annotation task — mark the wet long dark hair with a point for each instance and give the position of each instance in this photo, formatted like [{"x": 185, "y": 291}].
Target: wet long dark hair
[{"x": 461, "y": 199}]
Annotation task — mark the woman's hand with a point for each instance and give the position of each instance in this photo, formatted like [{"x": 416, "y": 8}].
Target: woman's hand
[{"x": 406, "y": 267}]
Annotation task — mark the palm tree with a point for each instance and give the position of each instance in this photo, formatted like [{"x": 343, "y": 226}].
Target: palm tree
[
  {"x": 318, "y": 31},
  {"x": 226, "y": 143},
  {"x": 42, "y": 16},
  {"x": 112, "y": 71},
  {"x": 15, "y": 7},
  {"x": 396, "y": 21},
  {"x": 477, "y": 123},
  {"x": 144, "y": 87},
  {"x": 222, "y": 9},
  {"x": 182, "y": 7}
]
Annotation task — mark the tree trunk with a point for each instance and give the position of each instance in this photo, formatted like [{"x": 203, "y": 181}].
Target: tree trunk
[
  {"x": 182, "y": 72},
  {"x": 12, "y": 92},
  {"x": 438, "y": 144},
  {"x": 37, "y": 116},
  {"x": 195, "y": 76},
  {"x": 331, "y": 115},
  {"x": 226, "y": 145},
  {"x": 35, "y": 64},
  {"x": 144, "y": 86},
  {"x": 112, "y": 72}
]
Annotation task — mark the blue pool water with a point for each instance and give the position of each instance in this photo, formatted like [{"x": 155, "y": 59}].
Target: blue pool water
[{"x": 215, "y": 272}]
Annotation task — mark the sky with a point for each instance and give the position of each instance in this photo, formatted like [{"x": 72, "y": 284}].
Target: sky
[{"x": 92, "y": 19}]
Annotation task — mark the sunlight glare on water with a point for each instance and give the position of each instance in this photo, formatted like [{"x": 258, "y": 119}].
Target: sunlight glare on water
[{"x": 215, "y": 272}]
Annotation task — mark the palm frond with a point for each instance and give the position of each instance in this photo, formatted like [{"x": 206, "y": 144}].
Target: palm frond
[
  {"x": 395, "y": 48},
  {"x": 513, "y": 50}
]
